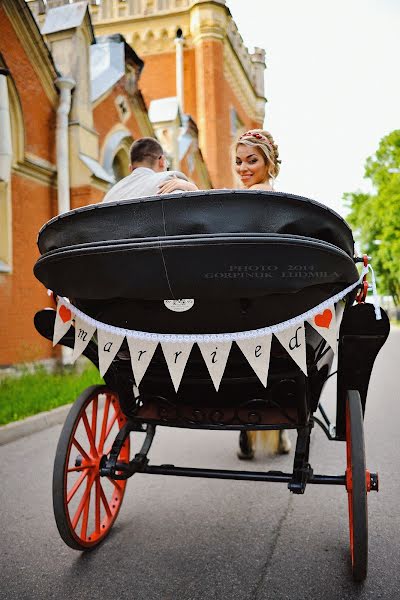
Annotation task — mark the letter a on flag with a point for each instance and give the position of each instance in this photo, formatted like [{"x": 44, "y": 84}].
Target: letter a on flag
[{"x": 108, "y": 346}]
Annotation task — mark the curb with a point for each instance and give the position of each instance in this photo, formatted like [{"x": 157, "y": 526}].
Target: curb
[{"x": 19, "y": 429}]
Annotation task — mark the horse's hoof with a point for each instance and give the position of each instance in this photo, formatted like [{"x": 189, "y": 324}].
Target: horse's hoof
[
  {"x": 284, "y": 442},
  {"x": 245, "y": 451},
  {"x": 245, "y": 455}
]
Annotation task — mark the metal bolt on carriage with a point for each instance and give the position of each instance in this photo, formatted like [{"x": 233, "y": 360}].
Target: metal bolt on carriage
[{"x": 259, "y": 268}]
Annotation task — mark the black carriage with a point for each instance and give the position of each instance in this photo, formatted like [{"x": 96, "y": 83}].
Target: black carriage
[{"x": 248, "y": 260}]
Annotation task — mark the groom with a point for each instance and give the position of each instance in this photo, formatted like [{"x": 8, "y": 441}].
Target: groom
[{"x": 148, "y": 172}]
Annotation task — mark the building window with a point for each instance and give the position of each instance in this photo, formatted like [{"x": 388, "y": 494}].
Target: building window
[{"x": 120, "y": 165}]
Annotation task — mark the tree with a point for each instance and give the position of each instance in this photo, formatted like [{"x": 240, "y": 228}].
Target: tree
[{"x": 375, "y": 217}]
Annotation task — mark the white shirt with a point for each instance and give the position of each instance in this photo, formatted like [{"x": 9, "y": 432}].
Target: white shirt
[{"x": 140, "y": 183}]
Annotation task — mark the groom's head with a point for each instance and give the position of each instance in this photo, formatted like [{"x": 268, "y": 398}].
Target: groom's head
[{"x": 147, "y": 152}]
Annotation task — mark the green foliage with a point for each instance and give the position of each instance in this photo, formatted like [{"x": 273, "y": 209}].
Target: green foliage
[
  {"x": 32, "y": 393},
  {"x": 376, "y": 217}
]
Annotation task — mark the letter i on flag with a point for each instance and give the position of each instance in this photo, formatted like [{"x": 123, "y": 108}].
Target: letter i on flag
[
  {"x": 176, "y": 356},
  {"x": 108, "y": 346},
  {"x": 62, "y": 322},
  {"x": 257, "y": 351},
  {"x": 325, "y": 324},
  {"x": 293, "y": 340},
  {"x": 215, "y": 356},
  {"x": 83, "y": 334}
]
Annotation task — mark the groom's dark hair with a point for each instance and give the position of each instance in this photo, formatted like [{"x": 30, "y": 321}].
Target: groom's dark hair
[{"x": 146, "y": 150}]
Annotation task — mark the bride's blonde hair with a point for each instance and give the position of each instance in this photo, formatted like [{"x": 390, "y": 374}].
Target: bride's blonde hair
[{"x": 265, "y": 142}]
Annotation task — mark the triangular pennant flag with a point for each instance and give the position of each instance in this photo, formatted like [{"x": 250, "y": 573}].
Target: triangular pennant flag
[
  {"x": 293, "y": 340},
  {"x": 325, "y": 323},
  {"x": 83, "y": 334},
  {"x": 257, "y": 351},
  {"x": 108, "y": 346},
  {"x": 176, "y": 356},
  {"x": 141, "y": 354},
  {"x": 63, "y": 321},
  {"x": 215, "y": 356}
]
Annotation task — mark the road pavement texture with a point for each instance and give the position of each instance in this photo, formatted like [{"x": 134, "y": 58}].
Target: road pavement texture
[{"x": 198, "y": 539}]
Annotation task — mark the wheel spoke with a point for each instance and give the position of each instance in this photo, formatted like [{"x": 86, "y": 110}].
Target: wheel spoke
[
  {"x": 81, "y": 450},
  {"x": 97, "y": 506},
  {"x": 119, "y": 485},
  {"x": 78, "y": 469},
  {"x": 76, "y": 486},
  {"x": 111, "y": 424},
  {"x": 105, "y": 501},
  {"x": 95, "y": 408},
  {"x": 82, "y": 503},
  {"x": 104, "y": 424},
  {"x": 89, "y": 434},
  {"x": 85, "y": 517}
]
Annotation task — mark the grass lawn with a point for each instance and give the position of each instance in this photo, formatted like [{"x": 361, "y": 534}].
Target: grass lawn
[{"x": 32, "y": 393}]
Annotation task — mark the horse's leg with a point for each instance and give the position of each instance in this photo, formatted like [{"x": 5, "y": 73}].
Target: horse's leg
[
  {"x": 284, "y": 442},
  {"x": 245, "y": 451}
]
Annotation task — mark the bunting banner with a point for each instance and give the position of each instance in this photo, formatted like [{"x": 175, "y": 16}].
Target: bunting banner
[{"x": 215, "y": 348}]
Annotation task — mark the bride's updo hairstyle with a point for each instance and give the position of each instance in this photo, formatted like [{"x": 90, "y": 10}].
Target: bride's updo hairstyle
[{"x": 265, "y": 142}]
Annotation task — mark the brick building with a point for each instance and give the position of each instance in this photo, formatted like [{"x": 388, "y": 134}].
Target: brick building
[
  {"x": 222, "y": 84},
  {"x": 72, "y": 103}
]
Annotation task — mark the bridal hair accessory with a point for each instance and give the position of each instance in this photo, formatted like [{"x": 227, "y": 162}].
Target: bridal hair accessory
[{"x": 258, "y": 136}]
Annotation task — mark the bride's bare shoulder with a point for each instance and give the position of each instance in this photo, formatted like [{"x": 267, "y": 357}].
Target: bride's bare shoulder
[{"x": 261, "y": 186}]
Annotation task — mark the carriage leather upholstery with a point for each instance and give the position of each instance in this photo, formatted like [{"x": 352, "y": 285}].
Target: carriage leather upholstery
[
  {"x": 248, "y": 258},
  {"x": 202, "y": 212}
]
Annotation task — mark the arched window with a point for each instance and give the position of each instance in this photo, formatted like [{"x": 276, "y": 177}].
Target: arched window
[
  {"x": 12, "y": 151},
  {"x": 120, "y": 164}
]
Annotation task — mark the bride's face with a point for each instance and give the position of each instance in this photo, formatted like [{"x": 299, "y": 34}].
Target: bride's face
[{"x": 250, "y": 165}]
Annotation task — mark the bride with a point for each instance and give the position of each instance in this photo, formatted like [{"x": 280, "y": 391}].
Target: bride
[{"x": 256, "y": 164}]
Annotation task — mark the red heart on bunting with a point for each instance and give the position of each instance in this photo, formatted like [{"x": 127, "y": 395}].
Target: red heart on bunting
[
  {"x": 65, "y": 313},
  {"x": 324, "y": 319}
]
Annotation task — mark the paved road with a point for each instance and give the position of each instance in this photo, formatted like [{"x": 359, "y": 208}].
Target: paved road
[{"x": 198, "y": 539}]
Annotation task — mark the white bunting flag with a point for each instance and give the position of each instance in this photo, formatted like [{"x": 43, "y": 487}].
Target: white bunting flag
[
  {"x": 215, "y": 356},
  {"x": 257, "y": 351},
  {"x": 108, "y": 346},
  {"x": 83, "y": 334},
  {"x": 293, "y": 340},
  {"x": 141, "y": 354},
  {"x": 62, "y": 323},
  {"x": 325, "y": 323},
  {"x": 176, "y": 356}
]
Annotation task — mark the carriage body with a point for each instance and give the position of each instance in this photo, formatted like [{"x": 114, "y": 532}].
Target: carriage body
[{"x": 249, "y": 260}]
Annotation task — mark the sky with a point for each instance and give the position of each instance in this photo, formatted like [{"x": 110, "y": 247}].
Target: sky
[{"x": 333, "y": 87}]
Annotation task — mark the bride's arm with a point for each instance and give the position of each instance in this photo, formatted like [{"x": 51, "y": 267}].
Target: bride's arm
[{"x": 174, "y": 184}]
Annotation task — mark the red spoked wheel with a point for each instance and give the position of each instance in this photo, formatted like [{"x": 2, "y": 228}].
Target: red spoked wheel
[
  {"x": 85, "y": 505},
  {"x": 356, "y": 486}
]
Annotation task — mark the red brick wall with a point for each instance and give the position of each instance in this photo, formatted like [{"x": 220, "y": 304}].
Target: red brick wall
[
  {"x": 158, "y": 79},
  {"x": 21, "y": 294}
]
